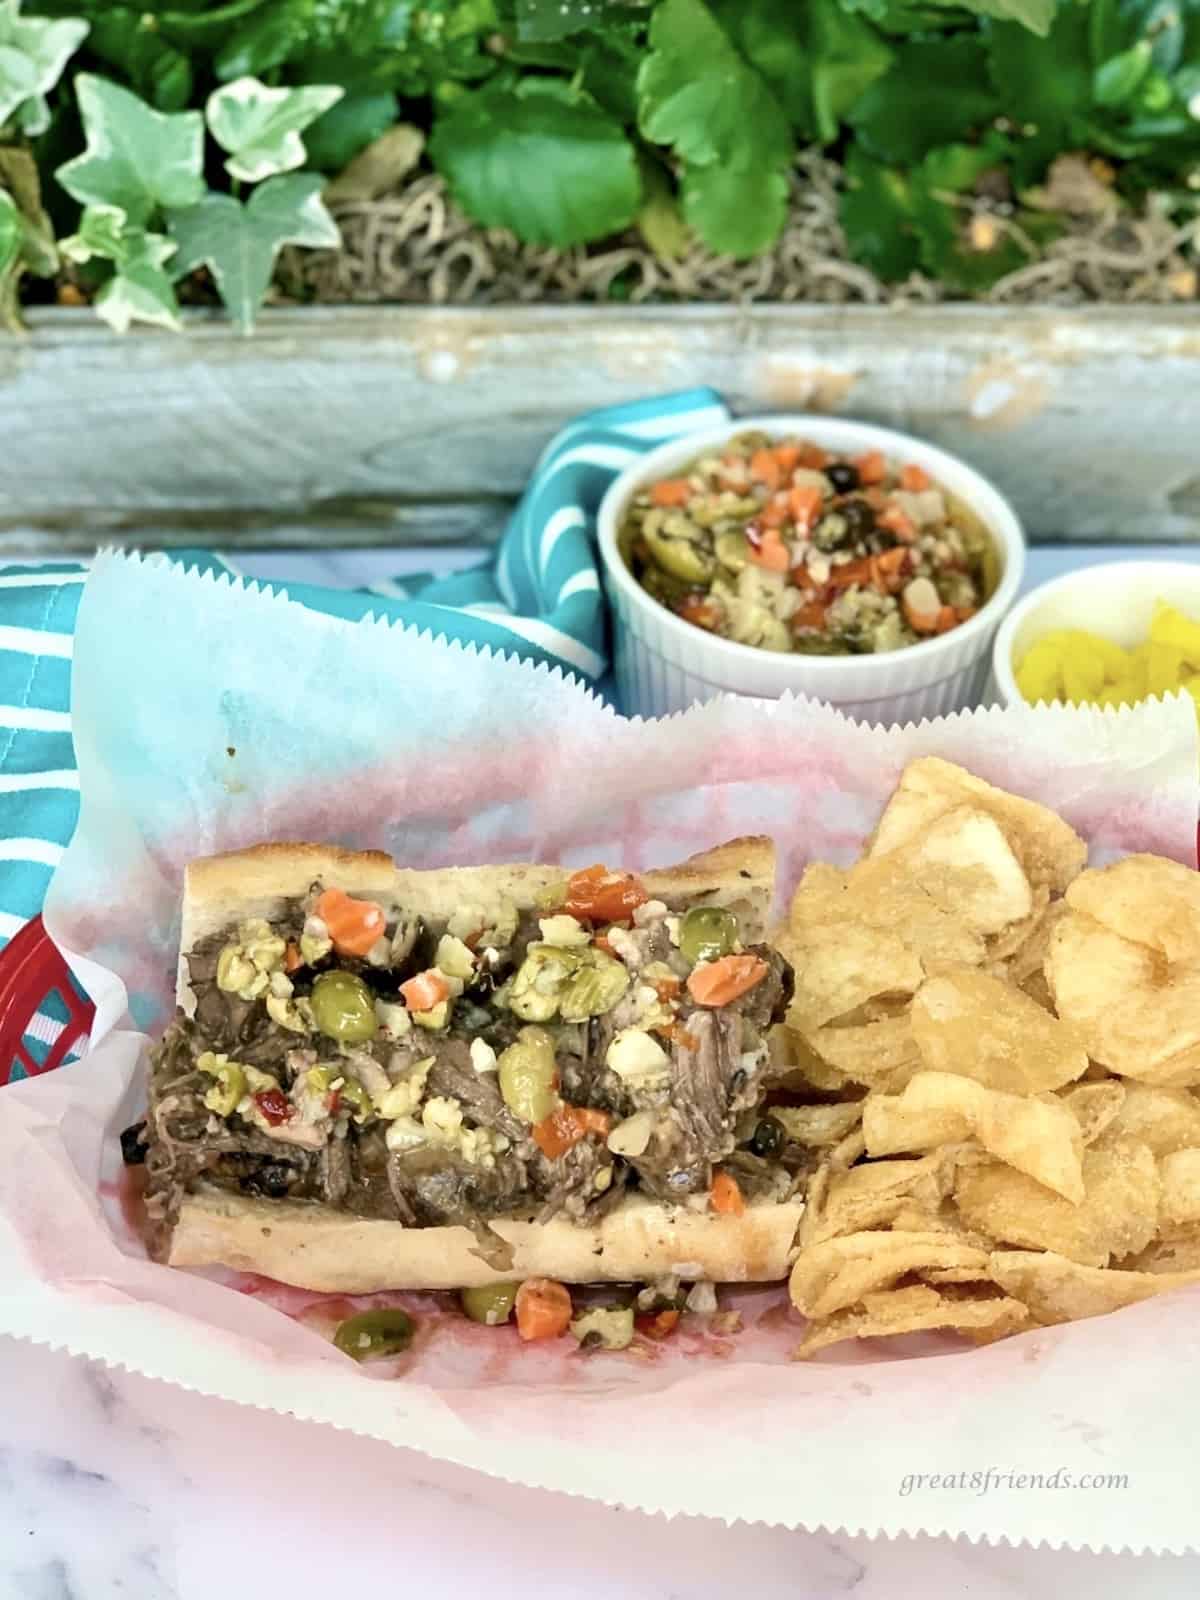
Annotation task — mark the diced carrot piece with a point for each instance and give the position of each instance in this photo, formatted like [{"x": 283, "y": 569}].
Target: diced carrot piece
[
  {"x": 354, "y": 925},
  {"x": 947, "y": 619},
  {"x": 717, "y": 983},
  {"x": 921, "y": 621},
  {"x": 700, "y": 612},
  {"x": 887, "y": 569},
  {"x": 292, "y": 957},
  {"x": 667, "y": 988},
  {"x": 671, "y": 492},
  {"x": 914, "y": 478},
  {"x": 543, "y": 1309},
  {"x": 788, "y": 456},
  {"x": 872, "y": 468},
  {"x": 899, "y": 524},
  {"x": 563, "y": 1129},
  {"x": 775, "y": 513},
  {"x": 595, "y": 894},
  {"x": 811, "y": 615},
  {"x": 770, "y": 552},
  {"x": 813, "y": 457},
  {"x": 659, "y": 1326},
  {"x": 426, "y": 990},
  {"x": 601, "y": 943},
  {"x": 765, "y": 468},
  {"x": 851, "y": 573},
  {"x": 726, "y": 1196},
  {"x": 804, "y": 503},
  {"x": 964, "y": 613}
]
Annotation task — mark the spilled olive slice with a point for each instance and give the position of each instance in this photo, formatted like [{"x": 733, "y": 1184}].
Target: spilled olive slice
[{"x": 375, "y": 1333}]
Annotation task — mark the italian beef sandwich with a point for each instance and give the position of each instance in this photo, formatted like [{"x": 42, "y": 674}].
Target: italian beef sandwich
[{"x": 380, "y": 1078}]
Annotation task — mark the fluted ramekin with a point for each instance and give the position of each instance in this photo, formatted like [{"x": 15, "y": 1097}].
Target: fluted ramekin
[{"x": 664, "y": 664}]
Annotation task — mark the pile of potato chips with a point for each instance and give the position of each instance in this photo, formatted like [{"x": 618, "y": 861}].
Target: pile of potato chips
[{"x": 995, "y": 1055}]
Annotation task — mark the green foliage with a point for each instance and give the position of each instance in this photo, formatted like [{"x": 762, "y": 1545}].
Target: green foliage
[
  {"x": 568, "y": 121},
  {"x": 33, "y": 53},
  {"x": 539, "y": 159},
  {"x": 240, "y": 242}
]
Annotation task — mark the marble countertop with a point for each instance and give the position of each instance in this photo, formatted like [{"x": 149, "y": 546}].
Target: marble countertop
[{"x": 113, "y": 1487}]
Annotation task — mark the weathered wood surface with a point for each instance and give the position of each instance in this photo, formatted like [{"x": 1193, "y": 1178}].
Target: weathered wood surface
[{"x": 356, "y": 426}]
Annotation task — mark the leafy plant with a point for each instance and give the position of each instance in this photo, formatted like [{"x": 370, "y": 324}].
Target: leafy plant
[
  {"x": 568, "y": 121},
  {"x": 144, "y": 169}
]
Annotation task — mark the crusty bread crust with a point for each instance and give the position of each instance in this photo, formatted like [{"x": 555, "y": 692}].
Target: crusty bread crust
[
  {"x": 220, "y": 890},
  {"x": 328, "y": 1251}
]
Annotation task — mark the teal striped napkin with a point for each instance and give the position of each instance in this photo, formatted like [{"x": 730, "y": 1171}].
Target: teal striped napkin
[{"x": 540, "y": 599}]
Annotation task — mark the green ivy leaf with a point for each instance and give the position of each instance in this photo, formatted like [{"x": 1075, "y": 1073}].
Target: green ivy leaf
[
  {"x": 136, "y": 158},
  {"x": 105, "y": 234},
  {"x": 138, "y": 293},
  {"x": 549, "y": 165},
  {"x": 260, "y": 127},
  {"x": 697, "y": 94},
  {"x": 33, "y": 53},
  {"x": 877, "y": 215},
  {"x": 902, "y": 115},
  {"x": 240, "y": 242},
  {"x": 737, "y": 211}
]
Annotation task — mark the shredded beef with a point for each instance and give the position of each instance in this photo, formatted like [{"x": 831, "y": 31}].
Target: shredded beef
[
  {"x": 441, "y": 1190},
  {"x": 479, "y": 1092}
]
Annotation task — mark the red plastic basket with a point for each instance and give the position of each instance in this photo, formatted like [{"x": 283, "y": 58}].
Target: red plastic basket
[{"x": 31, "y": 971}]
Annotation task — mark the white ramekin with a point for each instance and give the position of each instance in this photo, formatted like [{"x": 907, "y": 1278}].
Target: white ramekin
[
  {"x": 1115, "y": 600},
  {"x": 664, "y": 664}
]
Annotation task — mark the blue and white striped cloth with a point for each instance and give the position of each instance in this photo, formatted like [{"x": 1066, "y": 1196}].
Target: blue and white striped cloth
[{"x": 540, "y": 599}]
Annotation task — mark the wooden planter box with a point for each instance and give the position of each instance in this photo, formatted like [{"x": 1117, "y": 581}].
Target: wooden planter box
[{"x": 364, "y": 426}]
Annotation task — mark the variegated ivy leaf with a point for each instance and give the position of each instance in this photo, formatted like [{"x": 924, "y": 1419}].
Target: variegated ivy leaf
[
  {"x": 138, "y": 292},
  {"x": 239, "y": 243},
  {"x": 261, "y": 127},
  {"x": 105, "y": 233},
  {"x": 33, "y": 53},
  {"x": 136, "y": 158}
]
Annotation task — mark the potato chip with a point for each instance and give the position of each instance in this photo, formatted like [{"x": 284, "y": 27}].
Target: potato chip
[
  {"x": 882, "y": 1055},
  {"x": 1057, "y": 1289},
  {"x": 871, "y": 1195},
  {"x": 1137, "y": 1016},
  {"x": 836, "y": 1273},
  {"x": 1179, "y": 1174},
  {"x": 1002, "y": 947},
  {"x": 966, "y": 865},
  {"x": 1147, "y": 899},
  {"x": 917, "y": 1308},
  {"x": 848, "y": 1150},
  {"x": 1116, "y": 1217},
  {"x": 814, "y": 1207},
  {"x": 795, "y": 1065},
  {"x": 1165, "y": 1119},
  {"x": 1094, "y": 1106},
  {"x": 1179, "y": 1253},
  {"x": 1036, "y": 1135},
  {"x": 1049, "y": 849},
  {"x": 819, "y": 898},
  {"x": 971, "y": 1024},
  {"x": 838, "y": 969},
  {"x": 818, "y": 1126},
  {"x": 887, "y": 894},
  {"x": 936, "y": 1275}
]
